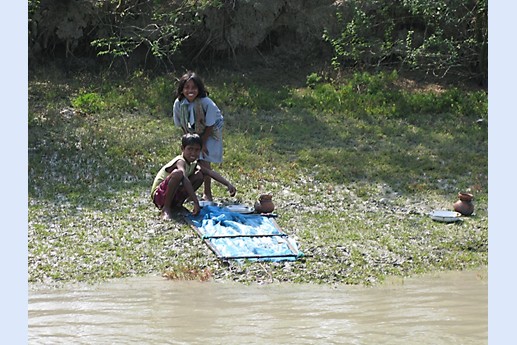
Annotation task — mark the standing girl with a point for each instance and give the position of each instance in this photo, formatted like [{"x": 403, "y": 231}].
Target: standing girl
[{"x": 195, "y": 112}]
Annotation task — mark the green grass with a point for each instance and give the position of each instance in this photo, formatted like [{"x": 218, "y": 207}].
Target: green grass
[{"x": 354, "y": 166}]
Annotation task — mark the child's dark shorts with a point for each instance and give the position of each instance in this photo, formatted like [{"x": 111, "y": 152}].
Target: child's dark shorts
[{"x": 178, "y": 198}]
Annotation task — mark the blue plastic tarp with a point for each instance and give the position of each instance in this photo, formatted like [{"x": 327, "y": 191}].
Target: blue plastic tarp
[{"x": 232, "y": 235}]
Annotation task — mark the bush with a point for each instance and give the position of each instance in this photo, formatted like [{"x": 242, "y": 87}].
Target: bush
[
  {"x": 435, "y": 37},
  {"x": 90, "y": 102}
]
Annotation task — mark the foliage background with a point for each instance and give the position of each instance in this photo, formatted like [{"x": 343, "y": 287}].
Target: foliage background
[{"x": 437, "y": 38}]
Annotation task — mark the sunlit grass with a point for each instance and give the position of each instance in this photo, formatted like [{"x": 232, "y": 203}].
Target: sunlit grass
[{"x": 354, "y": 168}]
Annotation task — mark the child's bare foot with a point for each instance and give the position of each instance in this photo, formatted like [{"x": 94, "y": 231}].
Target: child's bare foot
[{"x": 166, "y": 214}]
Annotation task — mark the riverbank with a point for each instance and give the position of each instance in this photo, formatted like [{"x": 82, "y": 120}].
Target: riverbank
[{"x": 353, "y": 184}]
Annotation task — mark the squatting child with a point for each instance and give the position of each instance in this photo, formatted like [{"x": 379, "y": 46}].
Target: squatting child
[{"x": 182, "y": 176}]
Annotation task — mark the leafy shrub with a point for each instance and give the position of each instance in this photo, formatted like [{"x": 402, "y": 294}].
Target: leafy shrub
[
  {"x": 435, "y": 37},
  {"x": 90, "y": 102},
  {"x": 313, "y": 79}
]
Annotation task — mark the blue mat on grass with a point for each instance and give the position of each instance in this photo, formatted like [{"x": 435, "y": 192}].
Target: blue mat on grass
[{"x": 232, "y": 235}]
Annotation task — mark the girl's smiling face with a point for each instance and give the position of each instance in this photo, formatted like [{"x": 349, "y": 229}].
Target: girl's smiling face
[{"x": 190, "y": 90}]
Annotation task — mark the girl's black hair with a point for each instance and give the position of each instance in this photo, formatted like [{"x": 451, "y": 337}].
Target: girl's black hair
[
  {"x": 196, "y": 79},
  {"x": 191, "y": 139}
]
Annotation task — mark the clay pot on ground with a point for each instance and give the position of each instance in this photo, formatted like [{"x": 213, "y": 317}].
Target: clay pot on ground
[
  {"x": 264, "y": 204},
  {"x": 464, "y": 205}
]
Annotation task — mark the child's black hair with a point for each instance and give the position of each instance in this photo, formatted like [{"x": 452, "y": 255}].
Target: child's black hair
[
  {"x": 202, "y": 92},
  {"x": 191, "y": 139}
]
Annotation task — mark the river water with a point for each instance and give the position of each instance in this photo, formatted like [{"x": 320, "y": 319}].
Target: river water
[{"x": 441, "y": 308}]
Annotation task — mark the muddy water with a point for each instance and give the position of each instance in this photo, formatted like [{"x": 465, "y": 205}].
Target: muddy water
[{"x": 443, "y": 308}]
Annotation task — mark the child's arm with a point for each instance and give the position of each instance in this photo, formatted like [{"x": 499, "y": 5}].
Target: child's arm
[
  {"x": 176, "y": 115},
  {"x": 188, "y": 187},
  {"x": 216, "y": 176}
]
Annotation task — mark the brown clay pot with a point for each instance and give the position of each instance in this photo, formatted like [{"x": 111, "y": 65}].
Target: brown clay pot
[
  {"x": 264, "y": 204},
  {"x": 464, "y": 205}
]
